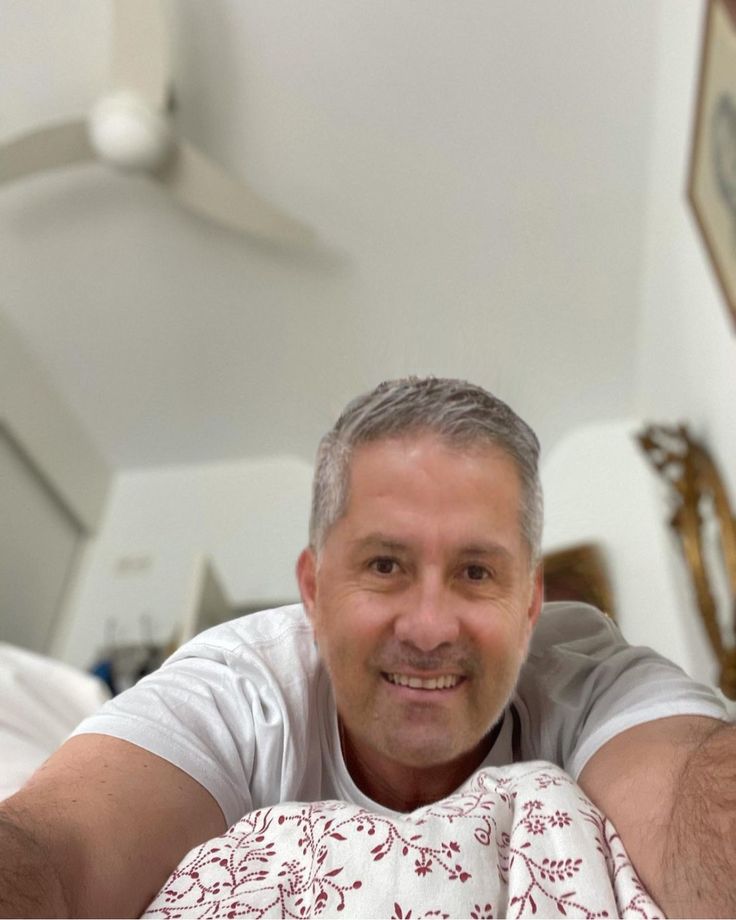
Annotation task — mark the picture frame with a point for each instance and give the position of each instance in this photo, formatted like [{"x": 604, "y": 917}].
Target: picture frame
[
  {"x": 702, "y": 517},
  {"x": 579, "y": 573},
  {"x": 712, "y": 176}
]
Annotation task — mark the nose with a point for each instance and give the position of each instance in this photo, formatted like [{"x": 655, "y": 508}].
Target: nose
[{"x": 428, "y": 618}]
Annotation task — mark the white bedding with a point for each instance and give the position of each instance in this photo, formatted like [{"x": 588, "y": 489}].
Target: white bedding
[
  {"x": 517, "y": 841},
  {"x": 41, "y": 702}
]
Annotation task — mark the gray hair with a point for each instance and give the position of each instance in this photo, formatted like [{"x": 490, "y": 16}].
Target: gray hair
[{"x": 460, "y": 413}]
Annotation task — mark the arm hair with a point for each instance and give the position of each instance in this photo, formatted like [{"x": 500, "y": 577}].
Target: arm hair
[
  {"x": 30, "y": 883},
  {"x": 700, "y": 848}
]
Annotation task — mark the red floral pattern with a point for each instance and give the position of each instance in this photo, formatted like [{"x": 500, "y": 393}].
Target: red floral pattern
[{"x": 517, "y": 841}]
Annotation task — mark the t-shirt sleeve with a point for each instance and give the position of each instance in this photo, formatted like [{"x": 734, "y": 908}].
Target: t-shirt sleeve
[
  {"x": 583, "y": 684},
  {"x": 204, "y": 715}
]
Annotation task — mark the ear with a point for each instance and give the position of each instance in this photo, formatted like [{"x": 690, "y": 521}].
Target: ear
[{"x": 306, "y": 576}]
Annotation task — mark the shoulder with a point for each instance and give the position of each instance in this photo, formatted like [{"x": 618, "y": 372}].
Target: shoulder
[
  {"x": 582, "y": 684},
  {"x": 572, "y": 641},
  {"x": 281, "y": 634},
  {"x": 228, "y": 708},
  {"x": 575, "y": 650},
  {"x": 230, "y": 674},
  {"x": 569, "y": 625}
]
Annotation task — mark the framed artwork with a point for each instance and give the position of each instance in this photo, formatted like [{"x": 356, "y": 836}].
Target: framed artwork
[
  {"x": 712, "y": 181},
  {"x": 579, "y": 573}
]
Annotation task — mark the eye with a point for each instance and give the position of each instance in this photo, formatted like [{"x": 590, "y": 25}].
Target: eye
[
  {"x": 477, "y": 572},
  {"x": 384, "y": 565}
]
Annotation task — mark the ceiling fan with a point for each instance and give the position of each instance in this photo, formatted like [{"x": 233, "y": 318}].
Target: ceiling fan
[{"x": 131, "y": 129}]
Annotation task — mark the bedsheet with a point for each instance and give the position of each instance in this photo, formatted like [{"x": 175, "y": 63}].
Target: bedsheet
[
  {"x": 516, "y": 841},
  {"x": 41, "y": 701}
]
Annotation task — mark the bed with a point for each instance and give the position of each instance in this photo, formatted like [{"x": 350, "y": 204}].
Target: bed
[{"x": 41, "y": 701}]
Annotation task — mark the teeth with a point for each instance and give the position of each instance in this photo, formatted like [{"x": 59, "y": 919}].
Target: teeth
[{"x": 434, "y": 683}]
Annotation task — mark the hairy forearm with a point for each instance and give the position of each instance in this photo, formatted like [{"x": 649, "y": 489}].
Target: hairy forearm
[
  {"x": 699, "y": 858},
  {"x": 29, "y": 884}
]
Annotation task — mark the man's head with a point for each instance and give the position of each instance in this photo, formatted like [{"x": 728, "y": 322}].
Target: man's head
[
  {"x": 459, "y": 413},
  {"x": 420, "y": 579}
]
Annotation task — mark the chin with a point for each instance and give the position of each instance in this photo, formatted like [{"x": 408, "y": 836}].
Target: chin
[{"x": 419, "y": 753}]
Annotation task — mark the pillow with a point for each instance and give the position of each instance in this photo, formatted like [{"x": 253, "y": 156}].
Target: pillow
[
  {"x": 514, "y": 841},
  {"x": 41, "y": 702}
]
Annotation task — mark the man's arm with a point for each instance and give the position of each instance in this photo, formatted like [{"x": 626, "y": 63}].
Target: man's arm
[
  {"x": 97, "y": 830},
  {"x": 669, "y": 787}
]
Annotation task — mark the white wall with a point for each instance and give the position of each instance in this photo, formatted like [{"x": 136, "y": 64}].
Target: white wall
[
  {"x": 251, "y": 517},
  {"x": 49, "y": 433},
  {"x": 39, "y": 544},
  {"x": 686, "y": 352},
  {"x": 55, "y": 484}
]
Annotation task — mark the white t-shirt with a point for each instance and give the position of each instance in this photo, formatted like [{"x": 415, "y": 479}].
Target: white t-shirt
[{"x": 246, "y": 708}]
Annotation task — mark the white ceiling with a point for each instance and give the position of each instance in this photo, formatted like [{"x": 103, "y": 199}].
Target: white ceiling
[{"x": 476, "y": 172}]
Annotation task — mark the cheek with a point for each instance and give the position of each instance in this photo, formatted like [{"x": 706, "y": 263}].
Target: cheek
[
  {"x": 498, "y": 636},
  {"x": 346, "y": 606},
  {"x": 345, "y": 623}
]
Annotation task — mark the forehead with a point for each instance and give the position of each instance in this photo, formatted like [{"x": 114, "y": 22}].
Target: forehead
[{"x": 424, "y": 478}]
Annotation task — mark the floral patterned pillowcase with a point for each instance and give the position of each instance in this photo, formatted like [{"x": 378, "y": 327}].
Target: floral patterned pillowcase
[{"x": 514, "y": 841}]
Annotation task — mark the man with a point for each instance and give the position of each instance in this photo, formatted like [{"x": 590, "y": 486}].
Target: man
[{"x": 408, "y": 667}]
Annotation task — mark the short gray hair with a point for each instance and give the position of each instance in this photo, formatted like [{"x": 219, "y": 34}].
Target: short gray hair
[{"x": 460, "y": 413}]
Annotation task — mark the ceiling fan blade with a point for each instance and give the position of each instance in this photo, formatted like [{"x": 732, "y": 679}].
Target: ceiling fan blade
[
  {"x": 141, "y": 59},
  {"x": 205, "y": 188},
  {"x": 46, "y": 148}
]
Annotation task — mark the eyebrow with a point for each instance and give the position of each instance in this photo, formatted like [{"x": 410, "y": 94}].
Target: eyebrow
[
  {"x": 379, "y": 541},
  {"x": 486, "y": 549},
  {"x": 391, "y": 544}
]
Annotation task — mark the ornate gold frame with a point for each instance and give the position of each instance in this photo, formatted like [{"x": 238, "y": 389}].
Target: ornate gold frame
[{"x": 688, "y": 468}]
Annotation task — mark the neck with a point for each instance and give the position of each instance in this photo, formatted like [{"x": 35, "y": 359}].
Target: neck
[{"x": 405, "y": 788}]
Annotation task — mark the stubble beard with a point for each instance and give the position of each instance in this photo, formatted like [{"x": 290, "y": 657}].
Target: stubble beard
[{"x": 398, "y": 734}]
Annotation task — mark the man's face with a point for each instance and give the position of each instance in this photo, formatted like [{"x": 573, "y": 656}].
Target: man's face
[{"x": 422, "y": 599}]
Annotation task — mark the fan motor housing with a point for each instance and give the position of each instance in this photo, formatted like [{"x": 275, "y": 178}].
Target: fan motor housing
[{"x": 128, "y": 134}]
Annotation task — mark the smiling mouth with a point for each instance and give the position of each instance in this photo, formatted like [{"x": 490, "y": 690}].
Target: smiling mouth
[{"x": 443, "y": 682}]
